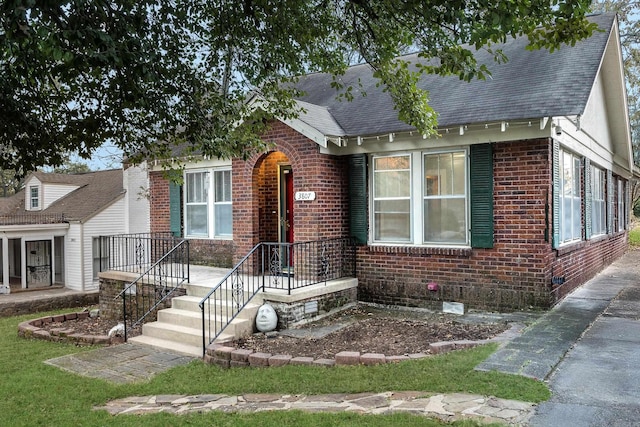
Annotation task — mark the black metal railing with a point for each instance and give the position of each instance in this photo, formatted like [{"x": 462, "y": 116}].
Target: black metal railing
[
  {"x": 281, "y": 266},
  {"x": 145, "y": 295},
  {"x": 134, "y": 252}
]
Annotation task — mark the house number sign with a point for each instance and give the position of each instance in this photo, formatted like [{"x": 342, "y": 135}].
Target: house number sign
[{"x": 305, "y": 195}]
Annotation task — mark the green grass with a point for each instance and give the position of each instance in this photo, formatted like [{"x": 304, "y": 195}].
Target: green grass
[
  {"x": 35, "y": 394},
  {"x": 634, "y": 237}
]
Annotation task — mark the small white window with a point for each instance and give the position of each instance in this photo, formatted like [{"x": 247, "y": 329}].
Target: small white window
[
  {"x": 34, "y": 197},
  {"x": 598, "y": 202}
]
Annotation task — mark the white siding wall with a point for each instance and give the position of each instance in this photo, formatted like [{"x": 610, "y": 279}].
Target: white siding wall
[
  {"x": 111, "y": 220},
  {"x": 595, "y": 121},
  {"x": 53, "y": 192},
  {"x": 136, "y": 183},
  {"x": 592, "y": 136},
  {"x": 73, "y": 257}
]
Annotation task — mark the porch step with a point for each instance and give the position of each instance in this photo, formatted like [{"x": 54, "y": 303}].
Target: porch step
[
  {"x": 192, "y": 303},
  {"x": 240, "y": 326},
  {"x": 176, "y": 333},
  {"x": 160, "y": 344}
]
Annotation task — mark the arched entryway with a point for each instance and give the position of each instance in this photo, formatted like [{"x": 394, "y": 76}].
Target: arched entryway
[{"x": 274, "y": 187}]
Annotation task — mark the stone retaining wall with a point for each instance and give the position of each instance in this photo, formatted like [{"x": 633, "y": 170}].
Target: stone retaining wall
[
  {"x": 229, "y": 357},
  {"x": 111, "y": 308},
  {"x": 56, "y": 302},
  {"x": 32, "y": 329}
]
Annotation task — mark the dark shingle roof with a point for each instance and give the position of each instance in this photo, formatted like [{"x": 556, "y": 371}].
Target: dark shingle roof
[
  {"x": 531, "y": 84},
  {"x": 96, "y": 191}
]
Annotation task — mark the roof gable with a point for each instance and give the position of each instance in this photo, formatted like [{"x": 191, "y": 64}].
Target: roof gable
[{"x": 92, "y": 192}]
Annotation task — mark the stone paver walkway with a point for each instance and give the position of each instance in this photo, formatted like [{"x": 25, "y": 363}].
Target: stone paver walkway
[
  {"x": 448, "y": 407},
  {"x": 124, "y": 363}
]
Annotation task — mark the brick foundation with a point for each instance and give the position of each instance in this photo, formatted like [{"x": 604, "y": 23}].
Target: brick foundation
[{"x": 111, "y": 307}]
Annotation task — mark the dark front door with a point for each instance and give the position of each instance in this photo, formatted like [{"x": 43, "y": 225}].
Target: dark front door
[{"x": 38, "y": 263}]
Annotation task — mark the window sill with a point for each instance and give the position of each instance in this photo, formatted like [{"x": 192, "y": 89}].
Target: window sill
[
  {"x": 224, "y": 239},
  {"x": 574, "y": 246},
  {"x": 420, "y": 250}
]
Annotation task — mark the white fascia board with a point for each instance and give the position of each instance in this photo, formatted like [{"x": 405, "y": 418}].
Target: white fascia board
[
  {"x": 309, "y": 131},
  {"x": 33, "y": 227}
]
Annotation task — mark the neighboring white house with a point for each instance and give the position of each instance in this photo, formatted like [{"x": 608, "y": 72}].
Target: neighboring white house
[{"x": 50, "y": 230}]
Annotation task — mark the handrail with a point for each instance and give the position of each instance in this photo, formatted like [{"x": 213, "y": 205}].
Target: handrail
[
  {"x": 221, "y": 311},
  {"x": 154, "y": 285},
  {"x": 280, "y": 266}
]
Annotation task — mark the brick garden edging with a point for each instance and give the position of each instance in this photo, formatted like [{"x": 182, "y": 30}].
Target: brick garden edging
[
  {"x": 229, "y": 357},
  {"x": 32, "y": 329}
]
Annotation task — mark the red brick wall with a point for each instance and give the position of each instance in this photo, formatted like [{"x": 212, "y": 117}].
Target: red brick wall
[
  {"x": 516, "y": 273},
  {"x": 255, "y": 191},
  {"x": 159, "y": 190}
]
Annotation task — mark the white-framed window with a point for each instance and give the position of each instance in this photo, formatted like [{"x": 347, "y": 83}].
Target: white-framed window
[
  {"x": 392, "y": 198},
  {"x": 208, "y": 205},
  {"x": 622, "y": 209},
  {"x": 445, "y": 198},
  {"x": 421, "y": 198},
  {"x": 570, "y": 198},
  {"x": 34, "y": 197},
  {"x": 598, "y": 202}
]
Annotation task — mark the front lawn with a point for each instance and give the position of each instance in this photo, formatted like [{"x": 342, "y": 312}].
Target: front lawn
[
  {"x": 33, "y": 393},
  {"x": 634, "y": 237}
]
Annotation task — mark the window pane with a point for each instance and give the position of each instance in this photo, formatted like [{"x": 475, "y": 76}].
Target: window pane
[
  {"x": 392, "y": 220},
  {"x": 445, "y": 174},
  {"x": 197, "y": 220},
  {"x": 567, "y": 175},
  {"x": 223, "y": 186},
  {"x": 432, "y": 176},
  {"x": 224, "y": 220},
  {"x": 576, "y": 218},
  {"x": 444, "y": 220},
  {"x": 576, "y": 177},
  {"x": 197, "y": 187},
  {"x": 566, "y": 220},
  {"x": 459, "y": 176},
  {"x": 392, "y": 163}
]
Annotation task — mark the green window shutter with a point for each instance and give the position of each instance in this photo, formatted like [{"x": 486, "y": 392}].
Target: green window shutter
[
  {"x": 555, "y": 242},
  {"x": 481, "y": 189},
  {"x": 610, "y": 202},
  {"x": 175, "y": 215},
  {"x": 588, "y": 197},
  {"x": 358, "y": 224}
]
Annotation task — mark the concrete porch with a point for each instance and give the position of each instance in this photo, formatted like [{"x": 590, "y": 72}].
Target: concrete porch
[{"x": 179, "y": 327}]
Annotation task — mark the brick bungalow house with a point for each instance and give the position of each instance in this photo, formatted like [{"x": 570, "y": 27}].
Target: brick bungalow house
[{"x": 524, "y": 197}]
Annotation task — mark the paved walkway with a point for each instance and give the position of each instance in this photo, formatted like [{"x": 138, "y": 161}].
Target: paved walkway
[
  {"x": 596, "y": 384},
  {"x": 124, "y": 363},
  {"x": 447, "y": 407},
  {"x": 541, "y": 346}
]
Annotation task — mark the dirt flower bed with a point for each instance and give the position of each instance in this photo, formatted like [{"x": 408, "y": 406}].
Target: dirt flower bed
[{"x": 372, "y": 331}]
